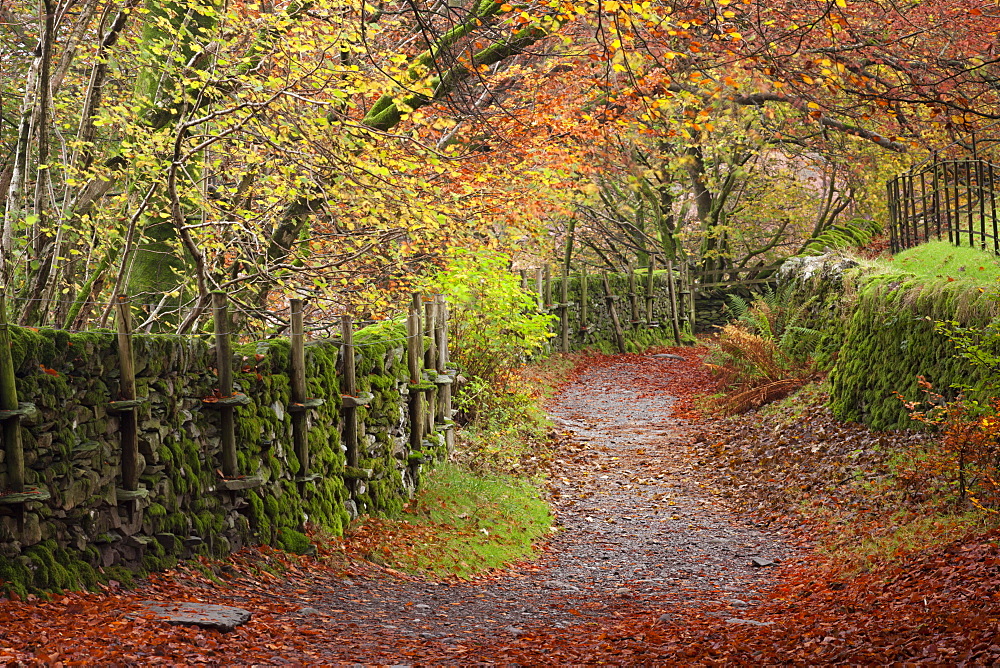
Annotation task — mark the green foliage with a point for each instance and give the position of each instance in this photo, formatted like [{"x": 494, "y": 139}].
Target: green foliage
[
  {"x": 853, "y": 233},
  {"x": 890, "y": 339},
  {"x": 295, "y": 542},
  {"x": 777, "y": 316},
  {"x": 508, "y": 433},
  {"x": 942, "y": 259},
  {"x": 493, "y": 322},
  {"x": 764, "y": 354}
]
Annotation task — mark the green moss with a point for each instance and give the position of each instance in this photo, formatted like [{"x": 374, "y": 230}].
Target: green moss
[{"x": 295, "y": 542}]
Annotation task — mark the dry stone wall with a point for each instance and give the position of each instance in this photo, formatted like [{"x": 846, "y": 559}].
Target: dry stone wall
[
  {"x": 184, "y": 506},
  {"x": 592, "y": 326}
]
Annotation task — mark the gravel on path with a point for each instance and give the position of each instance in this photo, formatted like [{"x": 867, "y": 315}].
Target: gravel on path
[{"x": 639, "y": 534}]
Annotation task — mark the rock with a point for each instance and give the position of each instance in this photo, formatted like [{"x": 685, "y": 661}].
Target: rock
[
  {"x": 222, "y": 617},
  {"x": 761, "y": 562},
  {"x": 737, "y": 602},
  {"x": 514, "y": 631},
  {"x": 665, "y": 617},
  {"x": 623, "y": 591},
  {"x": 422, "y": 606},
  {"x": 309, "y": 611},
  {"x": 668, "y": 356},
  {"x": 559, "y": 584},
  {"x": 747, "y": 622}
]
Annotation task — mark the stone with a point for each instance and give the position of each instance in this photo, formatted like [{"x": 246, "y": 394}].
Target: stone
[
  {"x": 514, "y": 631},
  {"x": 668, "y": 356},
  {"x": 761, "y": 562},
  {"x": 665, "y": 617},
  {"x": 559, "y": 584},
  {"x": 747, "y": 622},
  {"x": 222, "y": 617},
  {"x": 309, "y": 611}
]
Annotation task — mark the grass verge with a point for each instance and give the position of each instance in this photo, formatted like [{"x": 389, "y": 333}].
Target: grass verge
[
  {"x": 944, "y": 260},
  {"x": 460, "y": 524}
]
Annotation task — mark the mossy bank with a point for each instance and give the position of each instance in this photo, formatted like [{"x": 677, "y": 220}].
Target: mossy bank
[{"x": 878, "y": 324}]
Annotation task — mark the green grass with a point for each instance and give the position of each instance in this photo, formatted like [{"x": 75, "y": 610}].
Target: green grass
[
  {"x": 461, "y": 524},
  {"x": 943, "y": 260}
]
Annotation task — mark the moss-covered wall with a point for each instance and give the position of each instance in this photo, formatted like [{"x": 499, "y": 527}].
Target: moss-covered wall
[
  {"x": 878, "y": 333},
  {"x": 71, "y": 448}
]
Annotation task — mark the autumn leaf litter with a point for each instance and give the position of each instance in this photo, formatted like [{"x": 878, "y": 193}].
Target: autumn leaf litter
[{"x": 662, "y": 514}]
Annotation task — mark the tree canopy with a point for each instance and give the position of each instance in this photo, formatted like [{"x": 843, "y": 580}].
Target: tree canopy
[{"x": 337, "y": 150}]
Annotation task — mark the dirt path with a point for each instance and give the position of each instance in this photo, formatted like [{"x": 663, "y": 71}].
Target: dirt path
[{"x": 640, "y": 537}]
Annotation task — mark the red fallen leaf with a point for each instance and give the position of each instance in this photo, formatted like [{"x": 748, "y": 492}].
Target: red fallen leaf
[{"x": 45, "y": 369}]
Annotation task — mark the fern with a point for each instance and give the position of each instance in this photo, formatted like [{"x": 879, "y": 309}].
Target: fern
[{"x": 765, "y": 353}]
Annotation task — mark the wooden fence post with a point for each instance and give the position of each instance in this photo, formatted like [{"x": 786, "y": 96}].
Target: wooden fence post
[
  {"x": 548, "y": 287},
  {"x": 126, "y": 393},
  {"x": 430, "y": 359},
  {"x": 8, "y": 404},
  {"x": 224, "y": 358},
  {"x": 692, "y": 295},
  {"x": 633, "y": 297},
  {"x": 350, "y": 407},
  {"x": 672, "y": 290},
  {"x": 610, "y": 299},
  {"x": 443, "y": 378},
  {"x": 300, "y": 433},
  {"x": 414, "y": 359},
  {"x": 540, "y": 289},
  {"x": 564, "y": 312},
  {"x": 650, "y": 293}
]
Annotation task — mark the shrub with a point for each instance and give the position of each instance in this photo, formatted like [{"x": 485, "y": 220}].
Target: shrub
[{"x": 493, "y": 324}]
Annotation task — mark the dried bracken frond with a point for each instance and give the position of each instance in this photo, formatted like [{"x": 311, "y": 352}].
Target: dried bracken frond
[{"x": 752, "y": 359}]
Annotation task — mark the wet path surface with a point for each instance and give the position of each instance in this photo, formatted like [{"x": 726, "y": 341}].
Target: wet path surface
[{"x": 639, "y": 535}]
